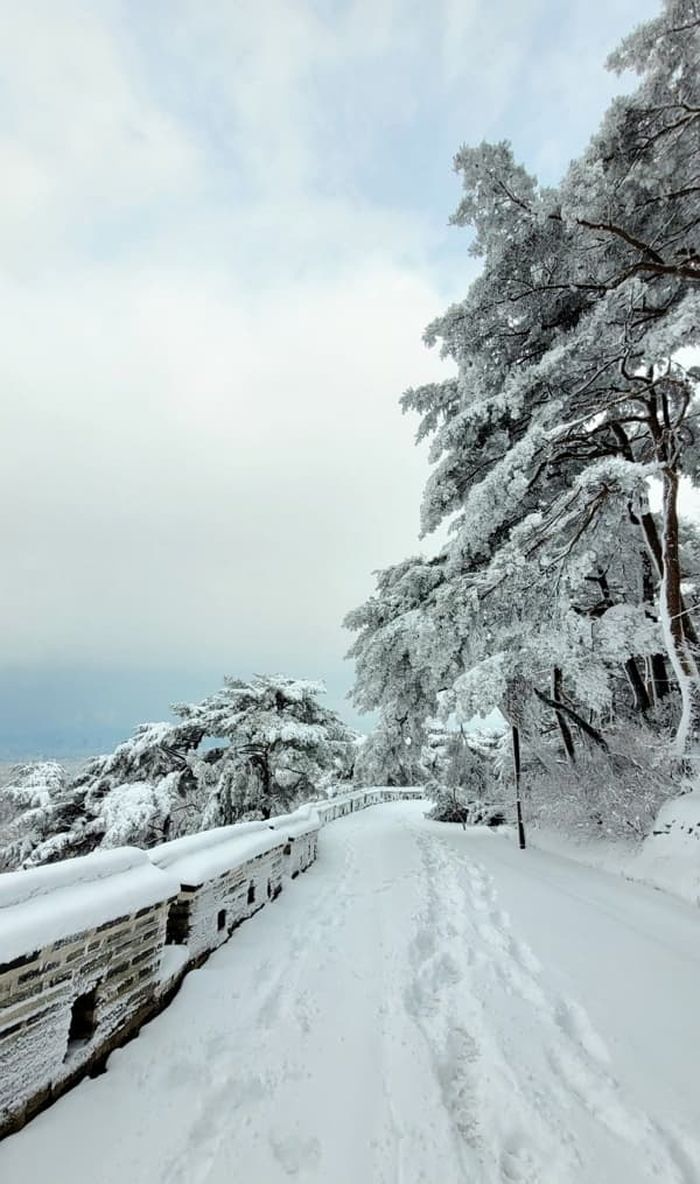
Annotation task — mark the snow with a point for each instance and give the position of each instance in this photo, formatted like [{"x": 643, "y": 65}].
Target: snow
[
  {"x": 21, "y": 886},
  {"x": 131, "y": 808},
  {"x": 43, "y": 905},
  {"x": 166, "y": 854},
  {"x": 194, "y": 859},
  {"x": 173, "y": 961},
  {"x": 668, "y": 859},
  {"x": 426, "y": 1005},
  {"x": 303, "y": 821},
  {"x": 210, "y": 862}
]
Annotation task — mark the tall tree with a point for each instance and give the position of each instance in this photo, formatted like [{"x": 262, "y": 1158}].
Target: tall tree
[{"x": 569, "y": 393}]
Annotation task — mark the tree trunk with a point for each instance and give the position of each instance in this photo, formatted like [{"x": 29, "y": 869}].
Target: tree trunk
[
  {"x": 567, "y": 738},
  {"x": 580, "y": 722},
  {"x": 657, "y": 548},
  {"x": 657, "y": 677},
  {"x": 674, "y": 624},
  {"x": 660, "y": 676},
  {"x": 642, "y": 700}
]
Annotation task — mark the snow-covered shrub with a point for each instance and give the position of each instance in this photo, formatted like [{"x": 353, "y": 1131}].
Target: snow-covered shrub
[
  {"x": 142, "y": 793},
  {"x": 455, "y": 805},
  {"x": 670, "y": 856},
  {"x": 138, "y": 814},
  {"x": 464, "y": 786},
  {"x": 614, "y": 794}
]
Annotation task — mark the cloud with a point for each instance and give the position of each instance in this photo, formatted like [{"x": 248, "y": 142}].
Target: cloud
[
  {"x": 192, "y": 475},
  {"x": 222, "y": 234},
  {"x": 81, "y": 140}
]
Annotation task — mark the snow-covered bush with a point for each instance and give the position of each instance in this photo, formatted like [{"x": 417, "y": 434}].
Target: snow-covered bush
[
  {"x": 142, "y": 793},
  {"x": 614, "y": 794},
  {"x": 463, "y": 785},
  {"x": 670, "y": 856},
  {"x": 455, "y": 805}
]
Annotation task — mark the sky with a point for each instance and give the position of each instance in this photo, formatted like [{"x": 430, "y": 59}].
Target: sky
[{"x": 223, "y": 230}]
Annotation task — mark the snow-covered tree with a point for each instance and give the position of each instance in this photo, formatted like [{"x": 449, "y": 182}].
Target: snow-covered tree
[
  {"x": 283, "y": 745},
  {"x": 397, "y": 664},
  {"x": 389, "y": 755},
  {"x": 561, "y": 596},
  {"x": 252, "y": 749},
  {"x": 569, "y": 394},
  {"x": 27, "y": 799},
  {"x": 142, "y": 793}
]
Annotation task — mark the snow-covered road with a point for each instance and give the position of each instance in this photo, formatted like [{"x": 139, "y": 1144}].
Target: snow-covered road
[{"x": 424, "y": 1005}]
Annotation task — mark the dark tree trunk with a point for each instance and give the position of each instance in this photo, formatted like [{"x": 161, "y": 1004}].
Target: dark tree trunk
[
  {"x": 660, "y": 676},
  {"x": 642, "y": 700},
  {"x": 574, "y": 716},
  {"x": 565, "y": 730}
]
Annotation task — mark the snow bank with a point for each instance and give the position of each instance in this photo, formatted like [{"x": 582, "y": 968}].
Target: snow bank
[
  {"x": 670, "y": 857},
  {"x": 42, "y": 905},
  {"x": 19, "y": 886}
]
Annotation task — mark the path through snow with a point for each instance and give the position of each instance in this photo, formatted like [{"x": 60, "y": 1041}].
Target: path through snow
[{"x": 385, "y": 1023}]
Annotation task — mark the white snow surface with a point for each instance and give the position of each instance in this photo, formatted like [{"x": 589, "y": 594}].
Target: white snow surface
[
  {"x": 234, "y": 844},
  {"x": 211, "y": 862},
  {"x": 175, "y": 850},
  {"x": 41, "y": 905},
  {"x": 668, "y": 858},
  {"x": 426, "y": 1005},
  {"x": 195, "y": 859},
  {"x": 303, "y": 821}
]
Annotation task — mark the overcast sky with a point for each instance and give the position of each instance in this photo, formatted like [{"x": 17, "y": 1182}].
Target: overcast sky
[{"x": 223, "y": 228}]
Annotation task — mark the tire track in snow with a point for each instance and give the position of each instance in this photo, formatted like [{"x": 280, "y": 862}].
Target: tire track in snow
[{"x": 525, "y": 1077}]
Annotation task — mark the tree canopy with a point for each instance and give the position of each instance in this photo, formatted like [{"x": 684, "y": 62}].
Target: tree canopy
[{"x": 565, "y": 593}]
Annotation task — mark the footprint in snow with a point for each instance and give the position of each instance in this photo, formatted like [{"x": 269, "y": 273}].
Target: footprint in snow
[{"x": 295, "y": 1153}]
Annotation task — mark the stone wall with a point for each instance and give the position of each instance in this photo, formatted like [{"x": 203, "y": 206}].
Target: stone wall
[
  {"x": 61, "y": 1006},
  {"x": 93, "y": 947},
  {"x": 79, "y": 970}
]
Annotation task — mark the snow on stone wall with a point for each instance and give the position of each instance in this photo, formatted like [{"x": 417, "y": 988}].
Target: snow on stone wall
[
  {"x": 359, "y": 799},
  {"x": 80, "y": 950},
  {"x": 90, "y": 948}
]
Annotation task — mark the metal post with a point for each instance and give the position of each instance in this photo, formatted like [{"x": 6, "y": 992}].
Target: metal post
[{"x": 515, "y": 738}]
